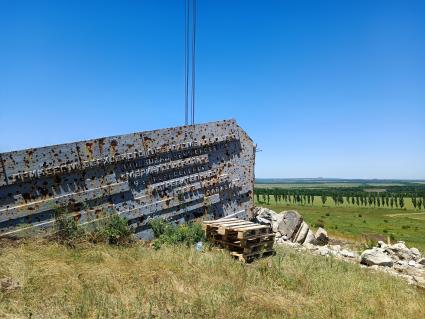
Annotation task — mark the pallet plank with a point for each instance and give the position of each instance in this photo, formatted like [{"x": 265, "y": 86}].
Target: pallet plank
[
  {"x": 251, "y": 257},
  {"x": 245, "y": 240}
]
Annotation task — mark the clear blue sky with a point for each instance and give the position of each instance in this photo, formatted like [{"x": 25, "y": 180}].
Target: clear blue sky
[{"x": 325, "y": 88}]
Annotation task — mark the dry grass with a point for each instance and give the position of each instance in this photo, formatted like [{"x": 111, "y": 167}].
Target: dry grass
[{"x": 101, "y": 281}]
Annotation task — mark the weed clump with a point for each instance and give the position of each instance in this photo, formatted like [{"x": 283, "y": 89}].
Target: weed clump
[
  {"x": 117, "y": 230},
  {"x": 172, "y": 234},
  {"x": 370, "y": 243},
  {"x": 112, "y": 229},
  {"x": 67, "y": 228}
]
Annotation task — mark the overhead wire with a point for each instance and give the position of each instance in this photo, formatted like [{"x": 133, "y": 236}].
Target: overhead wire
[
  {"x": 186, "y": 62},
  {"x": 189, "y": 61},
  {"x": 193, "y": 59}
]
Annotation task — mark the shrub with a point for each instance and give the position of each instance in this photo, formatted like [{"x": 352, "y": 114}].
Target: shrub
[
  {"x": 117, "y": 230},
  {"x": 172, "y": 234},
  {"x": 158, "y": 226},
  {"x": 385, "y": 231},
  {"x": 360, "y": 215},
  {"x": 67, "y": 228},
  {"x": 113, "y": 230},
  {"x": 405, "y": 227}
]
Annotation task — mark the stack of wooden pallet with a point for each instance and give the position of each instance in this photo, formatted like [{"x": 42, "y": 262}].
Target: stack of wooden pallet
[{"x": 245, "y": 240}]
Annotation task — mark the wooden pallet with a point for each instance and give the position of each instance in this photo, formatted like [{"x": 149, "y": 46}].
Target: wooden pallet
[
  {"x": 249, "y": 241},
  {"x": 245, "y": 240},
  {"x": 240, "y": 229},
  {"x": 247, "y": 249},
  {"x": 215, "y": 224},
  {"x": 247, "y": 258}
]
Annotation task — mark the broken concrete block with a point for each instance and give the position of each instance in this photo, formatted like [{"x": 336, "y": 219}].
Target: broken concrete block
[{"x": 290, "y": 223}]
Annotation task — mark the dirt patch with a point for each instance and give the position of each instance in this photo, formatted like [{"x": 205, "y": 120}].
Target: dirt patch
[
  {"x": 404, "y": 214},
  {"x": 10, "y": 242},
  {"x": 415, "y": 216}
]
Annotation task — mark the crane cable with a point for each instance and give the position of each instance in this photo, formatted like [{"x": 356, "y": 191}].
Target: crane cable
[
  {"x": 189, "y": 64},
  {"x": 193, "y": 60},
  {"x": 186, "y": 58}
]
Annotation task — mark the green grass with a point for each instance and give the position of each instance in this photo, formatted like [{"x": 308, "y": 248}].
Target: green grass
[
  {"x": 105, "y": 281},
  {"x": 171, "y": 234},
  {"x": 362, "y": 223}
]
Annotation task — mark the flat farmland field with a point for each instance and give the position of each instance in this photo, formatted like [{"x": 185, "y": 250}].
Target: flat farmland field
[{"x": 360, "y": 223}]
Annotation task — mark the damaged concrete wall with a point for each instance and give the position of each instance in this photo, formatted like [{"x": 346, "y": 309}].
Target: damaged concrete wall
[{"x": 178, "y": 173}]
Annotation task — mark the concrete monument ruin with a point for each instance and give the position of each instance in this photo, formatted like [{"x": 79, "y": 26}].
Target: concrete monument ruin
[{"x": 177, "y": 173}]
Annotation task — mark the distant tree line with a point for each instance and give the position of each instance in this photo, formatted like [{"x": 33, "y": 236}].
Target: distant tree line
[{"x": 359, "y": 196}]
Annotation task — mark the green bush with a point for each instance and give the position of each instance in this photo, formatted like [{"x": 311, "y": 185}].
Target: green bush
[
  {"x": 67, "y": 228},
  {"x": 159, "y": 226},
  {"x": 113, "y": 229},
  {"x": 171, "y": 234},
  {"x": 117, "y": 230}
]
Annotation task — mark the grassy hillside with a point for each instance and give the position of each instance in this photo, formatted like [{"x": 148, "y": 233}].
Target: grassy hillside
[
  {"x": 363, "y": 222},
  {"x": 102, "y": 281}
]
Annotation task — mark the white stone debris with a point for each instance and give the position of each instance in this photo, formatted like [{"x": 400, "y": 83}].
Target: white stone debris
[
  {"x": 376, "y": 256},
  {"x": 268, "y": 217},
  {"x": 290, "y": 226},
  {"x": 397, "y": 259}
]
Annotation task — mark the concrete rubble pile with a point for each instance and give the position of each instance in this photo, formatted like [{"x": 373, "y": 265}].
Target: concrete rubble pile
[
  {"x": 290, "y": 227},
  {"x": 396, "y": 259}
]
